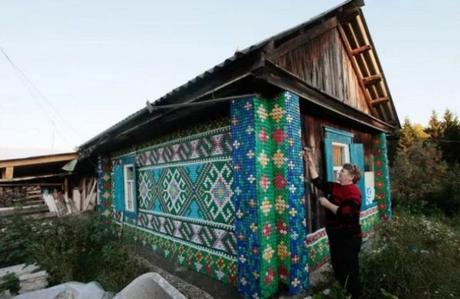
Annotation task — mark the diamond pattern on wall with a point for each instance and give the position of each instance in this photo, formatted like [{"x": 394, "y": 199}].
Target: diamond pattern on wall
[
  {"x": 184, "y": 196},
  {"x": 104, "y": 184},
  {"x": 200, "y": 191},
  {"x": 175, "y": 189},
  {"x": 146, "y": 190},
  {"x": 216, "y": 192},
  {"x": 211, "y": 144},
  {"x": 218, "y": 266},
  {"x": 213, "y": 237}
]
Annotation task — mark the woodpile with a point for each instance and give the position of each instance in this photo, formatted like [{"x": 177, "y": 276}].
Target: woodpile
[
  {"x": 11, "y": 195},
  {"x": 47, "y": 200},
  {"x": 23, "y": 199}
]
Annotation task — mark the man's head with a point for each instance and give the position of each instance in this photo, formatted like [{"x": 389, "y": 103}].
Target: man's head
[{"x": 349, "y": 174}]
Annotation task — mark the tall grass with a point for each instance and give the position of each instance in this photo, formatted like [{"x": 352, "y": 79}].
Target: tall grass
[
  {"x": 78, "y": 248},
  {"x": 412, "y": 256}
]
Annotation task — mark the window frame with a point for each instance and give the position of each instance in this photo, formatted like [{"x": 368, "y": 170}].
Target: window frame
[
  {"x": 132, "y": 183},
  {"x": 346, "y": 158}
]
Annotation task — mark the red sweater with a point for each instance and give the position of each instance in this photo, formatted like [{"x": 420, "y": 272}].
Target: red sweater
[{"x": 345, "y": 223}]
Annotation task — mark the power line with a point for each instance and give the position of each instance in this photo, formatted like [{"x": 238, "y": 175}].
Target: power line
[{"x": 35, "y": 92}]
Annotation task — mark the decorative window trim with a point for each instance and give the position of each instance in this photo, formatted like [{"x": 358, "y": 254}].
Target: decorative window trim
[
  {"x": 331, "y": 137},
  {"x": 127, "y": 182},
  {"x": 331, "y": 131}
]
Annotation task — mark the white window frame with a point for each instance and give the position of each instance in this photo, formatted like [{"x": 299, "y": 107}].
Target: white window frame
[
  {"x": 346, "y": 146},
  {"x": 128, "y": 183}
]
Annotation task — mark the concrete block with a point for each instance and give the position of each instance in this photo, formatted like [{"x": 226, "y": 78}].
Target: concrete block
[{"x": 148, "y": 286}]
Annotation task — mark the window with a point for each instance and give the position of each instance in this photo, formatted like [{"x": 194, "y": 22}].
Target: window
[
  {"x": 337, "y": 150},
  {"x": 128, "y": 174},
  {"x": 340, "y": 156}
]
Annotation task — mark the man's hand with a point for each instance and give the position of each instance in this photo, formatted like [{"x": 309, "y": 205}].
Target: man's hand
[
  {"x": 323, "y": 201},
  {"x": 307, "y": 154},
  {"x": 328, "y": 205},
  {"x": 310, "y": 163}
]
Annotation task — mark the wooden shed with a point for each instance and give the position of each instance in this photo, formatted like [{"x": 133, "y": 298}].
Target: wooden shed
[
  {"x": 212, "y": 175},
  {"x": 45, "y": 186}
]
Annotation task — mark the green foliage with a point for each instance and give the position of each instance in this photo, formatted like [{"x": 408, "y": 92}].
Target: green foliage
[
  {"x": 15, "y": 238},
  {"x": 450, "y": 138},
  {"x": 444, "y": 133},
  {"x": 71, "y": 248},
  {"x": 417, "y": 173},
  {"x": 9, "y": 282},
  {"x": 447, "y": 199},
  {"x": 407, "y": 135},
  {"x": 412, "y": 257},
  {"x": 434, "y": 129},
  {"x": 425, "y": 175}
]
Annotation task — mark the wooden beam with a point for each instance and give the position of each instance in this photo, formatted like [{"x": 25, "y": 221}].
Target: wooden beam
[
  {"x": 28, "y": 178},
  {"x": 392, "y": 110},
  {"x": 83, "y": 194},
  {"x": 9, "y": 173},
  {"x": 38, "y": 160},
  {"x": 380, "y": 101},
  {"x": 354, "y": 64},
  {"x": 287, "y": 81},
  {"x": 371, "y": 80},
  {"x": 66, "y": 186},
  {"x": 302, "y": 39},
  {"x": 360, "y": 50}
]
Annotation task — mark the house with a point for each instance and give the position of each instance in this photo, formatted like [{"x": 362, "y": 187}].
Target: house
[
  {"x": 45, "y": 186},
  {"x": 212, "y": 175}
]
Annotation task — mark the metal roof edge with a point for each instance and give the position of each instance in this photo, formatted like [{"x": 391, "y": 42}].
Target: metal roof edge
[{"x": 312, "y": 21}]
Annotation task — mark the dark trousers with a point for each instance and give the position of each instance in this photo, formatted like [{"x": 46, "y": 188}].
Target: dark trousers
[{"x": 344, "y": 258}]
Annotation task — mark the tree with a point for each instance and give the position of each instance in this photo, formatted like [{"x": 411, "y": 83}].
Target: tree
[
  {"x": 450, "y": 138},
  {"x": 417, "y": 172},
  {"x": 434, "y": 129},
  {"x": 407, "y": 135},
  {"x": 419, "y": 132}
]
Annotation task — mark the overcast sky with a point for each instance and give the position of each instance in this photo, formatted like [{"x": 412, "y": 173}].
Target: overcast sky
[{"x": 88, "y": 64}]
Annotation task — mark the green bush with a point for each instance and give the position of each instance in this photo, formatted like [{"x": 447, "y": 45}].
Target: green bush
[
  {"x": 15, "y": 238},
  {"x": 77, "y": 248},
  {"x": 423, "y": 183},
  {"x": 9, "y": 282},
  {"x": 447, "y": 199},
  {"x": 412, "y": 257},
  {"x": 417, "y": 173}
]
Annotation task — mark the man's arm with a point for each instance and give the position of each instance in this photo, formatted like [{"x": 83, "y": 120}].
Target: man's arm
[
  {"x": 328, "y": 205},
  {"x": 310, "y": 163}
]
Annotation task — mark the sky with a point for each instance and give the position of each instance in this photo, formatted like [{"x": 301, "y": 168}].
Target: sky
[{"x": 75, "y": 68}]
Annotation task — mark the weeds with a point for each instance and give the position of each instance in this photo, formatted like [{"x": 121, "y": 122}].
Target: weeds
[
  {"x": 71, "y": 248},
  {"x": 412, "y": 257},
  {"x": 9, "y": 282}
]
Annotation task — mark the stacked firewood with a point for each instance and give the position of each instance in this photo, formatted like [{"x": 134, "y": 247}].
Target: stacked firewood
[{"x": 11, "y": 196}]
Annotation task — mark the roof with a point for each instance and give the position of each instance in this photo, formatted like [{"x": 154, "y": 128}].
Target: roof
[
  {"x": 353, "y": 28},
  {"x": 43, "y": 159},
  {"x": 37, "y": 167}
]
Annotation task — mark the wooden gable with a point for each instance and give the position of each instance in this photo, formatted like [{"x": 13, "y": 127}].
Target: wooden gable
[
  {"x": 324, "y": 63},
  {"x": 337, "y": 56}
]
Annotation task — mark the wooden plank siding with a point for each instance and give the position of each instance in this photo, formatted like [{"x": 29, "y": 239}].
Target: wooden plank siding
[
  {"x": 324, "y": 63},
  {"x": 313, "y": 136}
]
